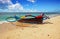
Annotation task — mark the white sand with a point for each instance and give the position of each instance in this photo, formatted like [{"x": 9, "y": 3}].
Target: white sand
[{"x": 49, "y": 30}]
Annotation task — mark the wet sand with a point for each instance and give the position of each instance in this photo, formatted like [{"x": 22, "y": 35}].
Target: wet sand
[{"x": 50, "y": 29}]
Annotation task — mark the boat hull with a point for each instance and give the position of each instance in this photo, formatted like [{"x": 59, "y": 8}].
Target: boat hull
[{"x": 32, "y": 20}]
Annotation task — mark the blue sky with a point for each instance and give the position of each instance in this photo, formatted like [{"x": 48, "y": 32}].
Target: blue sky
[{"x": 29, "y": 5}]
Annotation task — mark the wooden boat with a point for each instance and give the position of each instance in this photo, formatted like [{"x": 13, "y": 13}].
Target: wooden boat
[{"x": 32, "y": 20}]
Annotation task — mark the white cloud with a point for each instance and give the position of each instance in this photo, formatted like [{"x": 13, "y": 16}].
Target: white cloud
[
  {"x": 15, "y": 7},
  {"x": 4, "y": 4},
  {"x": 30, "y": 10},
  {"x": 6, "y": 1},
  {"x": 31, "y": 1},
  {"x": 12, "y": 7}
]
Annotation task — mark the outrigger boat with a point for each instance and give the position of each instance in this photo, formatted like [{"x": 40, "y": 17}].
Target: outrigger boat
[
  {"x": 32, "y": 20},
  {"x": 29, "y": 19}
]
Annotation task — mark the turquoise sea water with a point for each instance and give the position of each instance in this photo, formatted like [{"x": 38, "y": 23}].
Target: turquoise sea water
[{"x": 3, "y": 16}]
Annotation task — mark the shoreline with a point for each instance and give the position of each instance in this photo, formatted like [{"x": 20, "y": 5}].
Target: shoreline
[
  {"x": 51, "y": 16},
  {"x": 1, "y": 22}
]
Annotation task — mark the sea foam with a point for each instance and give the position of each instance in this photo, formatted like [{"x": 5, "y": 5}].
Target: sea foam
[{"x": 1, "y": 22}]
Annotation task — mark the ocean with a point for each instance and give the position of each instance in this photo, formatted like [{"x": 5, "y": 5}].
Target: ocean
[{"x": 4, "y": 15}]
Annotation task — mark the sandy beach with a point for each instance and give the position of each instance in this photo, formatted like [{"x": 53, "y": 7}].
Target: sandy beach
[{"x": 50, "y": 29}]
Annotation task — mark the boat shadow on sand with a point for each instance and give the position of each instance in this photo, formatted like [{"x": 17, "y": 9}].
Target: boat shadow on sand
[
  {"x": 47, "y": 23},
  {"x": 38, "y": 23},
  {"x": 29, "y": 24}
]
